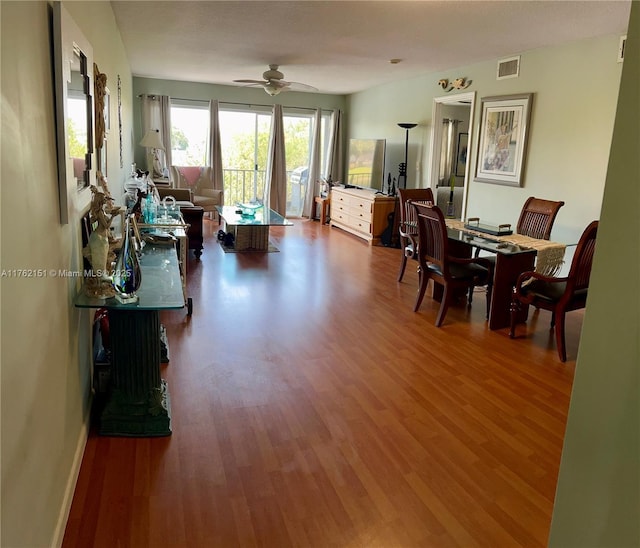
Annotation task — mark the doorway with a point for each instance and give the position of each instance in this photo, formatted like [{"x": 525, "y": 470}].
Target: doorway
[{"x": 450, "y": 152}]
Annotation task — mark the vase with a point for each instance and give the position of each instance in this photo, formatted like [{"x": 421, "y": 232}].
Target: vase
[
  {"x": 127, "y": 275},
  {"x": 451, "y": 208}
]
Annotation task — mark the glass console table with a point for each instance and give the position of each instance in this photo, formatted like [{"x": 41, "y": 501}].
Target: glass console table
[
  {"x": 170, "y": 220},
  {"x": 138, "y": 403}
]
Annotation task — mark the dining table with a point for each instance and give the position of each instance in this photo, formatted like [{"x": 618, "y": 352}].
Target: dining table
[{"x": 515, "y": 253}]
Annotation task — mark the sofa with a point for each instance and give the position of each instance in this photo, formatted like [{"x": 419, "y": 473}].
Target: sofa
[
  {"x": 192, "y": 215},
  {"x": 199, "y": 181}
]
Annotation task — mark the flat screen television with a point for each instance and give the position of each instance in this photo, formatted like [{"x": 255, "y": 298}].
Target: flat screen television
[{"x": 366, "y": 163}]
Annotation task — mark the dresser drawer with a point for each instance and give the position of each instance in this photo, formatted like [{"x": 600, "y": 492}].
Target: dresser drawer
[
  {"x": 360, "y": 225},
  {"x": 360, "y": 208}
]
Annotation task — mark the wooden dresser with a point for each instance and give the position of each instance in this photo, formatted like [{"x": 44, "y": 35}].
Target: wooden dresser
[{"x": 361, "y": 212}]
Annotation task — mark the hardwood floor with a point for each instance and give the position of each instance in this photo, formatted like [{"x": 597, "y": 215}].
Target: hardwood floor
[{"x": 312, "y": 407}]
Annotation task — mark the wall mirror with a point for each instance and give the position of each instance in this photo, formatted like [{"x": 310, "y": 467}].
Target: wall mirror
[
  {"x": 74, "y": 112},
  {"x": 452, "y": 133}
]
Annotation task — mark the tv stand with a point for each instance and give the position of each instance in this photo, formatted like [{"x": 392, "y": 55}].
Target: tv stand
[{"x": 361, "y": 212}]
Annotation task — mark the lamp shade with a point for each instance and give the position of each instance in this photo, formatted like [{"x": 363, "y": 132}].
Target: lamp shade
[{"x": 152, "y": 140}]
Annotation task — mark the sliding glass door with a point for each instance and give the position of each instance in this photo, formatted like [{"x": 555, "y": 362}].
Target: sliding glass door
[{"x": 244, "y": 135}]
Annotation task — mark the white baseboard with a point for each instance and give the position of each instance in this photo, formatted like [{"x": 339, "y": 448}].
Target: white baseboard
[{"x": 58, "y": 536}]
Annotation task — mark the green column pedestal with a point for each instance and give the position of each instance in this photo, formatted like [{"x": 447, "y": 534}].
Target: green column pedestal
[{"x": 138, "y": 404}]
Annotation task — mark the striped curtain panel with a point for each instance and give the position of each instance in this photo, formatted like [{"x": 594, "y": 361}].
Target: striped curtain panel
[
  {"x": 275, "y": 188},
  {"x": 215, "y": 147}
]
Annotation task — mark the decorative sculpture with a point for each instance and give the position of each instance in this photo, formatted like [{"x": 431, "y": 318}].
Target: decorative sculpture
[
  {"x": 458, "y": 83},
  {"x": 99, "y": 249}
]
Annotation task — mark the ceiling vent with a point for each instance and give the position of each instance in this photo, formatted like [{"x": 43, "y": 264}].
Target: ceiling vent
[
  {"x": 621, "y": 46},
  {"x": 508, "y": 68}
]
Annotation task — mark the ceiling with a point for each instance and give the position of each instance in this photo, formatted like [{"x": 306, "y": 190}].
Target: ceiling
[{"x": 342, "y": 47}]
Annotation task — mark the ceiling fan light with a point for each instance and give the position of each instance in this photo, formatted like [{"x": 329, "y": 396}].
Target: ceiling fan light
[{"x": 271, "y": 89}]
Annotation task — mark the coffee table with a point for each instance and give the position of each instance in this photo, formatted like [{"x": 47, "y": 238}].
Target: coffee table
[{"x": 250, "y": 232}]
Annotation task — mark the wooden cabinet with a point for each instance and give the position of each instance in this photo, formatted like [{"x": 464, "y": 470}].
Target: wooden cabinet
[{"x": 361, "y": 212}]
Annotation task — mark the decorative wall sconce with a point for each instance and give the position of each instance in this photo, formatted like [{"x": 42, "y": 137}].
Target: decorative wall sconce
[{"x": 458, "y": 83}]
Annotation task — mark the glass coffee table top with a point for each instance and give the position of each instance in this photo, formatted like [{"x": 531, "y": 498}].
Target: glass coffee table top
[{"x": 261, "y": 216}]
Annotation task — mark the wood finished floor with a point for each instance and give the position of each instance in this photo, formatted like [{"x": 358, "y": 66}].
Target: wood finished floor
[{"x": 312, "y": 407}]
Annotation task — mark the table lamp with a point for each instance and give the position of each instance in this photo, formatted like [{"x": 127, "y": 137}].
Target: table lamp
[{"x": 151, "y": 141}]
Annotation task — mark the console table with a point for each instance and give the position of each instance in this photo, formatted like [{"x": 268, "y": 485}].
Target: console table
[
  {"x": 361, "y": 212},
  {"x": 138, "y": 403}
]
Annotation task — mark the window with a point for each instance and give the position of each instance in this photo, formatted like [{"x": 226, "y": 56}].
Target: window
[
  {"x": 189, "y": 132},
  {"x": 244, "y": 136}
]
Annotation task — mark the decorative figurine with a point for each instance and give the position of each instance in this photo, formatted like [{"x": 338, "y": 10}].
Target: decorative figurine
[{"x": 98, "y": 249}]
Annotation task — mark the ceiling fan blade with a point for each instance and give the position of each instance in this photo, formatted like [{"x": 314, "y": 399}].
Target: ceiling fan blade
[
  {"x": 301, "y": 86},
  {"x": 260, "y": 82}
]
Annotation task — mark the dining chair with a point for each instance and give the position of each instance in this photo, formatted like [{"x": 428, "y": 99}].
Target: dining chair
[
  {"x": 537, "y": 218},
  {"x": 558, "y": 294},
  {"x": 408, "y": 227},
  {"x": 437, "y": 264}
]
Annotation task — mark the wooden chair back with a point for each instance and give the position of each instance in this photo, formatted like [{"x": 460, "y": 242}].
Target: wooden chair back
[
  {"x": 432, "y": 235},
  {"x": 408, "y": 225},
  {"x": 408, "y": 217},
  {"x": 537, "y": 218},
  {"x": 580, "y": 271}
]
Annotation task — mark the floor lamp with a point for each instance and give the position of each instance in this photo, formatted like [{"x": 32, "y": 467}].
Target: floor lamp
[{"x": 403, "y": 166}]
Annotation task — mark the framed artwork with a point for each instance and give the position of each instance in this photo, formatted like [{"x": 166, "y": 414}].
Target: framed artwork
[
  {"x": 461, "y": 154},
  {"x": 502, "y": 146}
]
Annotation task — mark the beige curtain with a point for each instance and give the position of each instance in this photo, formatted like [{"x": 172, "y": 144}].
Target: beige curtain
[
  {"x": 335, "y": 162},
  {"x": 215, "y": 147},
  {"x": 315, "y": 168},
  {"x": 156, "y": 114},
  {"x": 165, "y": 132},
  {"x": 275, "y": 188}
]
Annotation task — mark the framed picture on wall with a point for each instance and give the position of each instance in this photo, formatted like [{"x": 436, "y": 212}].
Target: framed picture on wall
[
  {"x": 461, "y": 154},
  {"x": 502, "y": 146}
]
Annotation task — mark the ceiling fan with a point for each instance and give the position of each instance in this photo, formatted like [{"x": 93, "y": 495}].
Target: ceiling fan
[{"x": 273, "y": 82}]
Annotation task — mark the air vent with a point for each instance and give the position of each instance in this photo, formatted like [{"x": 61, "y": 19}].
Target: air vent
[
  {"x": 508, "y": 68},
  {"x": 621, "y": 46}
]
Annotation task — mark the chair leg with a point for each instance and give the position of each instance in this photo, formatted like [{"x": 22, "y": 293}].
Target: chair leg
[
  {"x": 489, "y": 293},
  {"x": 444, "y": 306},
  {"x": 424, "y": 280},
  {"x": 403, "y": 265},
  {"x": 515, "y": 308},
  {"x": 470, "y": 299},
  {"x": 560, "y": 341}
]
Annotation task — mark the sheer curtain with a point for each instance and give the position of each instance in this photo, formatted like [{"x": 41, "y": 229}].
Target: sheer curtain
[
  {"x": 315, "y": 167},
  {"x": 215, "y": 147},
  {"x": 156, "y": 114},
  {"x": 335, "y": 162},
  {"x": 275, "y": 188}
]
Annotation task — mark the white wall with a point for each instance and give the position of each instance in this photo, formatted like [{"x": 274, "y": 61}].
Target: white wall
[
  {"x": 45, "y": 356},
  {"x": 571, "y": 126},
  {"x": 597, "y": 500}
]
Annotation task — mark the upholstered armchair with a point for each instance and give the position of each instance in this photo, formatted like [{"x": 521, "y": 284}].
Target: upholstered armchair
[{"x": 199, "y": 180}]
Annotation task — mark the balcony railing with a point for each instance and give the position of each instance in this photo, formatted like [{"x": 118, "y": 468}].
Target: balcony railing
[{"x": 244, "y": 185}]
